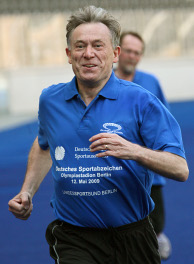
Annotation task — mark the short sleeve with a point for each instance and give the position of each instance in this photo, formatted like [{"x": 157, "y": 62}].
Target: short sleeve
[
  {"x": 42, "y": 137},
  {"x": 160, "y": 130}
]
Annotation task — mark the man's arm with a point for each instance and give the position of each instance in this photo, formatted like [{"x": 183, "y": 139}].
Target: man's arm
[
  {"x": 39, "y": 163},
  {"x": 164, "y": 163}
]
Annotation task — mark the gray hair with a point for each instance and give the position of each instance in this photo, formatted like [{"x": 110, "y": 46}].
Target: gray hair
[{"x": 92, "y": 14}]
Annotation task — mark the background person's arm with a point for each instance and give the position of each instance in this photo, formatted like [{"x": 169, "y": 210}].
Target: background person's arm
[{"x": 39, "y": 163}]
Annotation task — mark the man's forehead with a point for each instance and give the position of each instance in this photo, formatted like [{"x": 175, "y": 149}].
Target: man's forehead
[
  {"x": 91, "y": 40},
  {"x": 97, "y": 30},
  {"x": 129, "y": 39}
]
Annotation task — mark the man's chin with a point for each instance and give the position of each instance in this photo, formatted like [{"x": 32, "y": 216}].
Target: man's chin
[
  {"x": 88, "y": 80},
  {"x": 128, "y": 70}
]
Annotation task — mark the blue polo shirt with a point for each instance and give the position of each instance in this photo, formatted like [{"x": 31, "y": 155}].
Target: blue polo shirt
[
  {"x": 151, "y": 83},
  {"x": 103, "y": 192}
]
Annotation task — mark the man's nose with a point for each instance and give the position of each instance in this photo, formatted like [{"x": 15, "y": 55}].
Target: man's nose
[{"x": 89, "y": 52}]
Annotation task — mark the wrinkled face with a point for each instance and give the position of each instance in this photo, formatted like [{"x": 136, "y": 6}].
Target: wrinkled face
[
  {"x": 131, "y": 52},
  {"x": 91, "y": 53}
]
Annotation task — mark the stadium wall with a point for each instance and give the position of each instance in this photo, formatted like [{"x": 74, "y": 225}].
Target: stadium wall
[{"x": 24, "y": 86}]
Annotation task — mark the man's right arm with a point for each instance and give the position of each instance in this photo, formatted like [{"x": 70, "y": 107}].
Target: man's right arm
[{"x": 39, "y": 163}]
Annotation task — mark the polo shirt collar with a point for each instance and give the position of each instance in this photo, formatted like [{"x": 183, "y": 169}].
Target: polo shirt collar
[
  {"x": 71, "y": 89},
  {"x": 110, "y": 90}
]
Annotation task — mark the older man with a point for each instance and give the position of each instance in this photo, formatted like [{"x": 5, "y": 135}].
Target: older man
[{"x": 98, "y": 135}]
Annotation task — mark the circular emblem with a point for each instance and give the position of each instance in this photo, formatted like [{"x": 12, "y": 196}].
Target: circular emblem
[
  {"x": 59, "y": 153},
  {"x": 108, "y": 125},
  {"x": 112, "y": 128}
]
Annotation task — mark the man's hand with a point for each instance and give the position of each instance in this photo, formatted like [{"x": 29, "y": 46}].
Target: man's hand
[
  {"x": 113, "y": 145},
  {"x": 21, "y": 205}
]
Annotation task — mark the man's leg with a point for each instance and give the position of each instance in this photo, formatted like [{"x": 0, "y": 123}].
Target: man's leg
[
  {"x": 136, "y": 243},
  {"x": 76, "y": 245},
  {"x": 158, "y": 221}
]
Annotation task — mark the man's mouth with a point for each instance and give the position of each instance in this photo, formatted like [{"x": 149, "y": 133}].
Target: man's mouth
[{"x": 89, "y": 65}]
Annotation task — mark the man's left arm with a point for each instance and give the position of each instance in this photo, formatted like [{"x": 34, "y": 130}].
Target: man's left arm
[{"x": 164, "y": 163}]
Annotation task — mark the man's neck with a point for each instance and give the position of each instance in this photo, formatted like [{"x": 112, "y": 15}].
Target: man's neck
[
  {"x": 88, "y": 94},
  {"x": 89, "y": 91},
  {"x": 124, "y": 76}
]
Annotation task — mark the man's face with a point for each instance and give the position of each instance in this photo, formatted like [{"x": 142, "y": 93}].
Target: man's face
[
  {"x": 91, "y": 53},
  {"x": 131, "y": 52}
]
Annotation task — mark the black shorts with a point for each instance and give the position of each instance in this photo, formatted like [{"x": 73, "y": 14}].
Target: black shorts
[
  {"x": 134, "y": 243},
  {"x": 158, "y": 214}
]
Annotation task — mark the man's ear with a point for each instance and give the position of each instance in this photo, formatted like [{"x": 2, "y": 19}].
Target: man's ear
[
  {"x": 117, "y": 52},
  {"x": 68, "y": 53}
]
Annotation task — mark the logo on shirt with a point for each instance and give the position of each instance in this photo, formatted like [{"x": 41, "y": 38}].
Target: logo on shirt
[
  {"x": 112, "y": 128},
  {"x": 59, "y": 153}
]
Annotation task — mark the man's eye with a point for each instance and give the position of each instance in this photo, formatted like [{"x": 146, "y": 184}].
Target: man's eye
[{"x": 79, "y": 46}]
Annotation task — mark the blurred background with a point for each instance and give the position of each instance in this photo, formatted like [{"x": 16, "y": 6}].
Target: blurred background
[{"x": 32, "y": 57}]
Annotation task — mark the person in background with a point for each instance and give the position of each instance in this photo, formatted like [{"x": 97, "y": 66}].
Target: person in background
[
  {"x": 97, "y": 134},
  {"x": 132, "y": 49}
]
